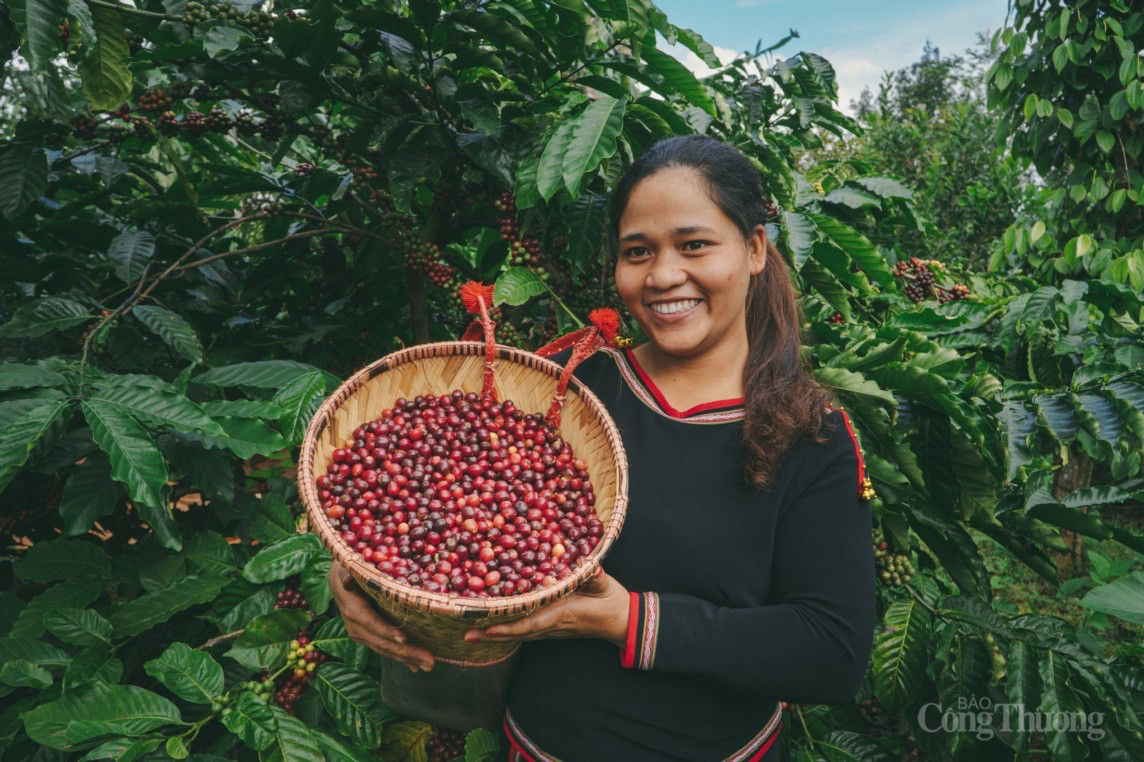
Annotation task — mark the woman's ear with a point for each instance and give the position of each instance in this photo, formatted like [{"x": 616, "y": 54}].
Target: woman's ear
[{"x": 757, "y": 250}]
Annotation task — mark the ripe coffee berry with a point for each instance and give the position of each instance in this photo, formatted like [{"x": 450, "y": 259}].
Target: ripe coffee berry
[
  {"x": 445, "y": 745},
  {"x": 462, "y": 496}
]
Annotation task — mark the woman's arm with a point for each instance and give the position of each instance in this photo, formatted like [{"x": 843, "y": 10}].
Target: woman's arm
[{"x": 813, "y": 644}]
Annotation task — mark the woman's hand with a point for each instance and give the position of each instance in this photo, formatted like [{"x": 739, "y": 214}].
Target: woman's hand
[
  {"x": 599, "y": 609},
  {"x": 366, "y": 626}
]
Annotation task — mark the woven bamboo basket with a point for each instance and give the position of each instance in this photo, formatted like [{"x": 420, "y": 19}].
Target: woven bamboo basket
[{"x": 437, "y": 621}]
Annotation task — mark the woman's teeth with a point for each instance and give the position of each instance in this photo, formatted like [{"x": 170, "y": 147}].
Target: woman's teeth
[{"x": 667, "y": 308}]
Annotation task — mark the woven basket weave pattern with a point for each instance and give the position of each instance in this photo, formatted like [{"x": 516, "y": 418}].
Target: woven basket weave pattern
[{"x": 434, "y": 620}]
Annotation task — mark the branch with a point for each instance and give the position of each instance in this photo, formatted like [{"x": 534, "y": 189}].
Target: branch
[
  {"x": 220, "y": 639},
  {"x": 581, "y": 67},
  {"x": 256, "y": 247}
]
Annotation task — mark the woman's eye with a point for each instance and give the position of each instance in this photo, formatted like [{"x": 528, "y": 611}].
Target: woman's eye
[
  {"x": 694, "y": 245},
  {"x": 635, "y": 252}
]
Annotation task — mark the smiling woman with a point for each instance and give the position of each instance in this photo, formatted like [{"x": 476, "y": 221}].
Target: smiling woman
[{"x": 744, "y": 575}]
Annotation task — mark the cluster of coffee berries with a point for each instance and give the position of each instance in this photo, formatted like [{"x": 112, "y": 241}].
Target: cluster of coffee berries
[
  {"x": 262, "y": 689},
  {"x": 894, "y": 569},
  {"x": 85, "y": 128},
  {"x": 260, "y": 201},
  {"x": 462, "y": 496},
  {"x": 837, "y": 318},
  {"x": 92, "y": 326},
  {"x": 156, "y": 100},
  {"x": 303, "y": 168},
  {"x": 507, "y": 221},
  {"x": 958, "y": 292},
  {"x": 301, "y": 663},
  {"x": 223, "y": 704},
  {"x": 771, "y": 210},
  {"x": 445, "y": 745},
  {"x": 257, "y": 22},
  {"x": 290, "y": 599},
  {"x": 917, "y": 274}
]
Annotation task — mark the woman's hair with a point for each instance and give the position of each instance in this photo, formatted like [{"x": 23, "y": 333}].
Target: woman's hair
[{"x": 783, "y": 402}]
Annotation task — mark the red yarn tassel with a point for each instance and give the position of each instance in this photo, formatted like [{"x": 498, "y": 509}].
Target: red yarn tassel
[
  {"x": 477, "y": 297},
  {"x": 605, "y": 325}
]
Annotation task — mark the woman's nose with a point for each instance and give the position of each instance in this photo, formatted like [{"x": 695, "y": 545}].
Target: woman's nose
[{"x": 664, "y": 273}]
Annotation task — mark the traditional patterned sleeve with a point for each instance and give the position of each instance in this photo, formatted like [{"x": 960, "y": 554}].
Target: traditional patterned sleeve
[{"x": 813, "y": 644}]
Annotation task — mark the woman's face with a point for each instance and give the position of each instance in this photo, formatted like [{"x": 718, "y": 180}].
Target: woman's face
[{"x": 683, "y": 267}]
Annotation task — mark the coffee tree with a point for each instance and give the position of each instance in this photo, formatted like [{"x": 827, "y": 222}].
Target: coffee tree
[{"x": 215, "y": 211}]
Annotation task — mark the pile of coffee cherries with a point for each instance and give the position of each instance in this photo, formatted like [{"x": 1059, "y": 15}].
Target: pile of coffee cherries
[{"x": 463, "y": 496}]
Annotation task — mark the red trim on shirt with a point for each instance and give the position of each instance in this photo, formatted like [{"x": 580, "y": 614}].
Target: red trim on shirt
[
  {"x": 628, "y": 657},
  {"x": 667, "y": 408},
  {"x": 857, "y": 449},
  {"x": 514, "y": 747},
  {"x": 763, "y": 750}
]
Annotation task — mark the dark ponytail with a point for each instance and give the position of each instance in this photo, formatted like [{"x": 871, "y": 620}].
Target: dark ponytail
[{"x": 783, "y": 402}]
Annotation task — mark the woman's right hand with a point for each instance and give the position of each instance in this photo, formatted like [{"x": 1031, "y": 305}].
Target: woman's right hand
[{"x": 366, "y": 626}]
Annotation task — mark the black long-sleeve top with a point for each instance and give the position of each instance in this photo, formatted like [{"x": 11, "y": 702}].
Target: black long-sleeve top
[{"x": 742, "y": 597}]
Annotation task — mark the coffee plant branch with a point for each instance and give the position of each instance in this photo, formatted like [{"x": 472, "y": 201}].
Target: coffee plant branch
[
  {"x": 220, "y": 639},
  {"x": 250, "y": 249},
  {"x": 594, "y": 59}
]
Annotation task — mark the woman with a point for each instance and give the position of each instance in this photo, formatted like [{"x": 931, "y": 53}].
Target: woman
[{"x": 744, "y": 574}]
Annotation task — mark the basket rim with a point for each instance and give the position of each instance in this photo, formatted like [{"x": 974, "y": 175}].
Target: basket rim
[{"x": 444, "y": 604}]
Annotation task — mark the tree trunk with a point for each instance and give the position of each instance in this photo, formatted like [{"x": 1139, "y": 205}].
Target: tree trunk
[{"x": 1075, "y": 474}]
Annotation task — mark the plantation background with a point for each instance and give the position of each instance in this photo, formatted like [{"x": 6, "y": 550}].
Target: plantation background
[{"x": 211, "y": 213}]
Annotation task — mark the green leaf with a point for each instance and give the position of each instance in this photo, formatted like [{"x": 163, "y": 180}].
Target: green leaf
[
  {"x": 98, "y": 710},
  {"x": 1123, "y": 598},
  {"x": 315, "y": 584},
  {"x": 106, "y": 78},
  {"x": 129, "y": 252},
  {"x": 81, "y": 627},
  {"x": 292, "y": 742},
  {"x": 252, "y": 720},
  {"x": 282, "y": 559},
  {"x": 354, "y": 701},
  {"x": 160, "y": 405},
  {"x": 852, "y": 383},
  {"x": 23, "y": 180},
  {"x": 42, "y": 43},
  {"x": 242, "y": 601},
  {"x": 246, "y": 437},
  {"x": 594, "y": 134},
  {"x": 497, "y": 29},
  {"x": 1106, "y": 140},
  {"x": 265, "y": 639},
  {"x": 1059, "y": 415},
  {"x": 34, "y": 651},
  {"x": 223, "y": 38},
  {"x": 1065, "y": 117},
  {"x": 172, "y": 329},
  {"x": 135, "y": 462},
  {"x": 51, "y": 560},
  {"x": 176, "y": 748},
  {"x": 18, "y": 439},
  {"x": 856, "y": 245},
  {"x": 272, "y": 520},
  {"x": 517, "y": 285},
  {"x": 1059, "y": 700},
  {"x": 89, "y": 494},
  {"x": 407, "y": 741},
  {"x": 680, "y": 79},
  {"x": 801, "y": 235},
  {"x": 852, "y": 197},
  {"x": 550, "y": 170},
  {"x": 332, "y": 638},
  {"x": 21, "y": 376},
  {"x": 150, "y": 609},
  {"x": 265, "y": 374},
  {"x": 46, "y": 314},
  {"x": 299, "y": 401},
  {"x": 901, "y": 653},
  {"x": 76, "y": 592},
  {"x": 125, "y": 749},
  {"x": 191, "y": 675},
  {"x": 847, "y": 746},
  {"x": 21, "y": 673},
  {"x": 482, "y": 745},
  {"x": 885, "y": 187}
]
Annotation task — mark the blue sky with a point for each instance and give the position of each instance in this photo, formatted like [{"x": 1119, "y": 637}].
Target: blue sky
[{"x": 861, "y": 38}]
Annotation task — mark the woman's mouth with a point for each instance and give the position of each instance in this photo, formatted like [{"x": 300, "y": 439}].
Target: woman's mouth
[{"x": 673, "y": 309}]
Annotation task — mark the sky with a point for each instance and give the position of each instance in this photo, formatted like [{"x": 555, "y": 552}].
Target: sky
[{"x": 860, "y": 38}]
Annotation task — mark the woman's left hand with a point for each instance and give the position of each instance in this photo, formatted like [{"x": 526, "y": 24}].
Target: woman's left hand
[{"x": 599, "y": 609}]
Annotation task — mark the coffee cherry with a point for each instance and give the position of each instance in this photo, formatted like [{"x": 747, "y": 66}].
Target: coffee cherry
[
  {"x": 445, "y": 745},
  {"x": 85, "y": 128},
  {"x": 462, "y": 496},
  {"x": 290, "y": 599},
  {"x": 837, "y": 318}
]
